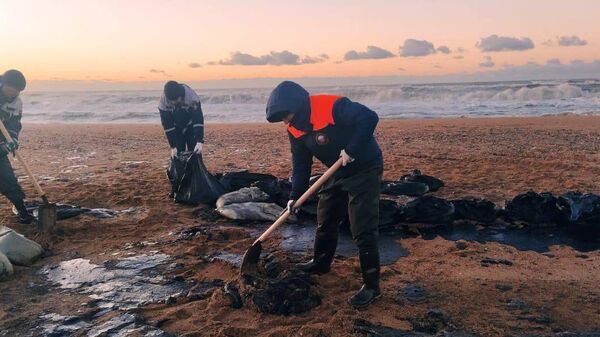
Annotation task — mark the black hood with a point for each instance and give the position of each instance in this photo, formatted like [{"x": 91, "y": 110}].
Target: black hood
[{"x": 289, "y": 97}]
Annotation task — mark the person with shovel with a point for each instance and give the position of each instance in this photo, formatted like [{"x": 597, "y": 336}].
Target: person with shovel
[
  {"x": 329, "y": 127},
  {"x": 12, "y": 82},
  {"x": 181, "y": 117}
]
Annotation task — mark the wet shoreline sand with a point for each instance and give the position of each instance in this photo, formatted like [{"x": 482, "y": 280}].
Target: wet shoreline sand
[{"x": 118, "y": 166}]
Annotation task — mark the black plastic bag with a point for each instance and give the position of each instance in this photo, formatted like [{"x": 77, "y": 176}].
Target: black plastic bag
[
  {"x": 535, "y": 209},
  {"x": 191, "y": 182},
  {"x": 581, "y": 208},
  {"x": 428, "y": 210}
]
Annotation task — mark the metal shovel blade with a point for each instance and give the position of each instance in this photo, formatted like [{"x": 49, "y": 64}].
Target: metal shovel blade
[
  {"x": 46, "y": 217},
  {"x": 250, "y": 259}
]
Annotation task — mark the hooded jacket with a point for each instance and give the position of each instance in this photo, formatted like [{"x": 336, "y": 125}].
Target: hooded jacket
[
  {"x": 184, "y": 118},
  {"x": 351, "y": 126},
  {"x": 11, "y": 110}
]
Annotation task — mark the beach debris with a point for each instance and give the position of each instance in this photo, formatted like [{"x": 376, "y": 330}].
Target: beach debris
[
  {"x": 369, "y": 329},
  {"x": 408, "y": 188},
  {"x": 475, "y": 209},
  {"x": 366, "y": 328},
  {"x": 516, "y": 304},
  {"x": 17, "y": 248},
  {"x": 230, "y": 258},
  {"x": 63, "y": 211},
  {"x": 123, "y": 284},
  {"x": 388, "y": 214},
  {"x": 291, "y": 293},
  {"x": 203, "y": 290},
  {"x": 581, "y": 208},
  {"x": 191, "y": 181},
  {"x": 233, "y": 181},
  {"x": 412, "y": 293},
  {"x": 245, "y": 194},
  {"x": 252, "y": 211},
  {"x": 66, "y": 211},
  {"x": 539, "y": 209},
  {"x": 278, "y": 190},
  {"x": 504, "y": 286},
  {"x": 232, "y": 292},
  {"x": 428, "y": 210},
  {"x": 6, "y": 268},
  {"x": 433, "y": 183},
  {"x": 433, "y": 322},
  {"x": 487, "y": 261},
  {"x": 58, "y": 325},
  {"x": 125, "y": 324}
]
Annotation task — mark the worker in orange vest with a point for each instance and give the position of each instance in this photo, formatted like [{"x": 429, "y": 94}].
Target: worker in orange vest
[{"x": 328, "y": 127}]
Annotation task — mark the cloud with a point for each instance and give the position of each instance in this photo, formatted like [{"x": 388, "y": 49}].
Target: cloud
[
  {"x": 194, "y": 65},
  {"x": 487, "y": 63},
  {"x": 459, "y": 57},
  {"x": 577, "y": 62},
  {"x": 495, "y": 43},
  {"x": 273, "y": 58},
  {"x": 553, "y": 62},
  {"x": 401, "y": 69},
  {"x": 158, "y": 71},
  {"x": 568, "y": 41},
  {"x": 416, "y": 48},
  {"x": 437, "y": 66},
  {"x": 372, "y": 53},
  {"x": 460, "y": 50},
  {"x": 316, "y": 59},
  {"x": 444, "y": 49}
]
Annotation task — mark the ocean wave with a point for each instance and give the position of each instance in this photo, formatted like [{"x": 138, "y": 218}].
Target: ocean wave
[{"x": 528, "y": 98}]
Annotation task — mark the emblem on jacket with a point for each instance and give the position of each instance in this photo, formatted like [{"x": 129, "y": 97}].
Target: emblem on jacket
[{"x": 321, "y": 138}]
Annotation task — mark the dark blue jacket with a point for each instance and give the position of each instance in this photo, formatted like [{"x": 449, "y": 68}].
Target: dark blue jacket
[
  {"x": 353, "y": 128},
  {"x": 11, "y": 112},
  {"x": 182, "y": 119}
]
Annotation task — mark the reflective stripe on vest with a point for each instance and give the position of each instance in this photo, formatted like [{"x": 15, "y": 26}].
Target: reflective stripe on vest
[{"x": 321, "y": 114}]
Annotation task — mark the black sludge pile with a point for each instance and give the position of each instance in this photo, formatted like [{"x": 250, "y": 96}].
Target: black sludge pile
[
  {"x": 416, "y": 176},
  {"x": 475, "y": 209},
  {"x": 290, "y": 293},
  {"x": 427, "y": 209},
  {"x": 540, "y": 209},
  {"x": 191, "y": 182}
]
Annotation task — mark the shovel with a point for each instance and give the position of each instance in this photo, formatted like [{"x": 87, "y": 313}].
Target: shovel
[
  {"x": 46, "y": 211},
  {"x": 253, "y": 253}
]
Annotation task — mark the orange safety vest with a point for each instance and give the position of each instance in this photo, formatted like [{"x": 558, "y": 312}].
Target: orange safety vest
[{"x": 321, "y": 114}]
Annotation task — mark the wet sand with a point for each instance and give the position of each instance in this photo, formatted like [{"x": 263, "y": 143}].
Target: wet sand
[{"x": 122, "y": 166}]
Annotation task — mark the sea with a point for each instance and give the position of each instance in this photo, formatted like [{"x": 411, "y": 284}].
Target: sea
[{"x": 401, "y": 101}]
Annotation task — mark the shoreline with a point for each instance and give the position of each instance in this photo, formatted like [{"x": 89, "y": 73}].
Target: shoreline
[{"x": 382, "y": 119}]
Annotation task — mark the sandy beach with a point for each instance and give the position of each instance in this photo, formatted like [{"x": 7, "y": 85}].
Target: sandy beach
[{"x": 121, "y": 166}]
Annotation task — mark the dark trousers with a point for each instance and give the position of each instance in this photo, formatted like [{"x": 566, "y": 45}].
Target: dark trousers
[
  {"x": 358, "y": 197},
  {"x": 186, "y": 141},
  {"x": 9, "y": 186}
]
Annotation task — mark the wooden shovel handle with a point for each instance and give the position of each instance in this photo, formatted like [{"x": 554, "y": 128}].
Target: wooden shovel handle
[
  {"x": 23, "y": 163},
  {"x": 302, "y": 199}
]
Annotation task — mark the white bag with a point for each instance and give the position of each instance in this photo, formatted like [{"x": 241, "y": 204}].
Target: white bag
[
  {"x": 18, "y": 249},
  {"x": 6, "y": 268}
]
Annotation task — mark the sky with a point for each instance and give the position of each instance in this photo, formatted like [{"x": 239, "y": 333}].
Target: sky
[{"x": 67, "y": 43}]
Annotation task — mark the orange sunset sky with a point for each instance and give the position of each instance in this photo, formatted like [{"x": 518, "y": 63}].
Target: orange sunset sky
[{"x": 140, "y": 41}]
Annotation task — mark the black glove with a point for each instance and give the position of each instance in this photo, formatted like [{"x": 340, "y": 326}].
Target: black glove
[{"x": 8, "y": 147}]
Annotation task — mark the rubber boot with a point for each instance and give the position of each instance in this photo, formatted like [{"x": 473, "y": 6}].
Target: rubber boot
[
  {"x": 325, "y": 245},
  {"x": 22, "y": 213},
  {"x": 369, "y": 265}
]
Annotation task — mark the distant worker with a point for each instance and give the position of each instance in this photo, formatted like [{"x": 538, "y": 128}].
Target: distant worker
[
  {"x": 11, "y": 109},
  {"x": 328, "y": 127},
  {"x": 181, "y": 117}
]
